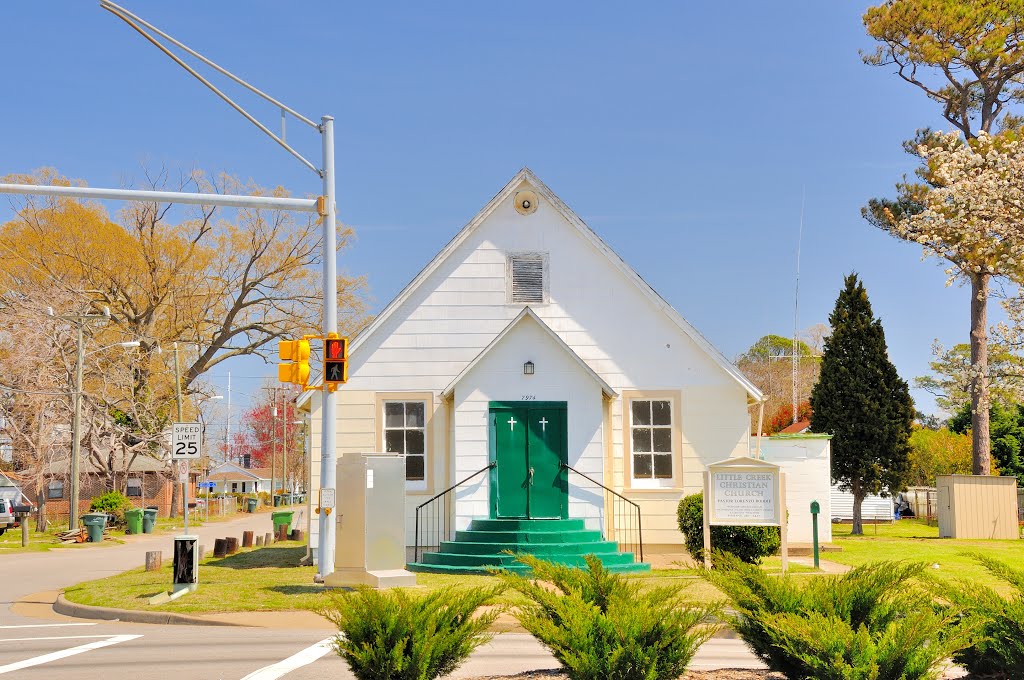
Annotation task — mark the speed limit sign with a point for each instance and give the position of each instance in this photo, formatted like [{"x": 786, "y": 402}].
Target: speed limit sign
[{"x": 186, "y": 441}]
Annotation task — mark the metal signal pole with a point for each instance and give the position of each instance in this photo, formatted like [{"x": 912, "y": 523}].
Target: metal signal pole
[{"x": 324, "y": 206}]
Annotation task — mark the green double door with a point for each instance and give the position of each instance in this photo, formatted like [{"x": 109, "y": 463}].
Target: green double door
[{"x": 529, "y": 444}]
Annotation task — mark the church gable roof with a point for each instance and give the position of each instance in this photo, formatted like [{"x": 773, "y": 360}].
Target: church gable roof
[
  {"x": 529, "y": 313},
  {"x": 527, "y": 176}
]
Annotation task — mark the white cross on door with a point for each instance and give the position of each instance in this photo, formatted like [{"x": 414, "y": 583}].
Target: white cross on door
[
  {"x": 543, "y": 424},
  {"x": 512, "y": 423}
]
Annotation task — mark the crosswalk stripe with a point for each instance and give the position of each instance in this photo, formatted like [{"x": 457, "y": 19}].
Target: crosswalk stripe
[
  {"x": 48, "y": 625},
  {"x": 54, "y": 656},
  {"x": 303, "y": 658}
]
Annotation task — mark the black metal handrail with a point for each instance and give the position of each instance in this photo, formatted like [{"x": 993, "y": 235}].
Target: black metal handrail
[
  {"x": 633, "y": 528},
  {"x": 436, "y": 522}
]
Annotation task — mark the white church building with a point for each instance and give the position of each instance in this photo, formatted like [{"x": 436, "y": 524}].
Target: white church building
[{"x": 530, "y": 358}]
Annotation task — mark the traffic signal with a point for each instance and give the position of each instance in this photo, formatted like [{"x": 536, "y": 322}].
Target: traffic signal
[
  {"x": 335, "y": 361},
  {"x": 296, "y": 352}
]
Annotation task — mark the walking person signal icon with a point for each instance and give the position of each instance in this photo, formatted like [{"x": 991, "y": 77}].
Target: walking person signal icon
[{"x": 335, "y": 361}]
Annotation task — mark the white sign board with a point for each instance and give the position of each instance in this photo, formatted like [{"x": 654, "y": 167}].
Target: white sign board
[
  {"x": 328, "y": 498},
  {"x": 186, "y": 441},
  {"x": 744, "y": 497},
  {"x": 183, "y": 471},
  {"x": 745, "y": 492}
]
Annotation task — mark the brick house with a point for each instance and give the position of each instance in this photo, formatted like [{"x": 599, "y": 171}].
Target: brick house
[{"x": 148, "y": 482}]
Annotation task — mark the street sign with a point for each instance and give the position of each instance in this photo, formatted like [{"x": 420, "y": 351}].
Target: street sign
[
  {"x": 183, "y": 471},
  {"x": 327, "y": 498},
  {"x": 186, "y": 441},
  {"x": 207, "y": 485}
]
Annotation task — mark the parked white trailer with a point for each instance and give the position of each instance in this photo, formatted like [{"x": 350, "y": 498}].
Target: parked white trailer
[{"x": 874, "y": 508}]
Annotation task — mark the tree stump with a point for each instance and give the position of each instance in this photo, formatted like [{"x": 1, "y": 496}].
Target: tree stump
[
  {"x": 268, "y": 539},
  {"x": 232, "y": 544},
  {"x": 296, "y": 535},
  {"x": 202, "y": 551},
  {"x": 282, "y": 532},
  {"x": 220, "y": 547},
  {"x": 259, "y": 541},
  {"x": 154, "y": 560},
  {"x": 246, "y": 539}
]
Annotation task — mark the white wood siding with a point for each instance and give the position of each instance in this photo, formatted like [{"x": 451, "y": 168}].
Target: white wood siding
[{"x": 597, "y": 310}]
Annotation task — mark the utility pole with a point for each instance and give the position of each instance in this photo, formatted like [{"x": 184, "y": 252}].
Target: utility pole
[
  {"x": 76, "y": 430},
  {"x": 328, "y": 465},
  {"x": 76, "y": 422},
  {"x": 273, "y": 438}
]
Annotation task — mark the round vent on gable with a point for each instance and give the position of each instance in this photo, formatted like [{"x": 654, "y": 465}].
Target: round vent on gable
[{"x": 526, "y": 202}]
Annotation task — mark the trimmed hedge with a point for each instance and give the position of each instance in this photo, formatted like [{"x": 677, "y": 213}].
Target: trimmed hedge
[
  {"x": 750, "y": 544},
  {"x": 602, "y": 626},
  {"x": 872, "y": 623}
]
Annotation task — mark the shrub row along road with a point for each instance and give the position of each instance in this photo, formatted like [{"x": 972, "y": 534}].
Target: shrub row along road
[{"x": 36, "y": 643}]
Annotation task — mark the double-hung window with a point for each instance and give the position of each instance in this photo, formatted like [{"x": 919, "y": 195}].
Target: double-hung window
[
  {"x": 651, "y": 437},
  {"x": 405, "y": 432},
  {"x": 55, "y": 489},
  {"x": 135, "y": 487}
]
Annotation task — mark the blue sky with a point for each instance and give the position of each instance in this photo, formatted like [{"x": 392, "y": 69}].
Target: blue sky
[{"x": 683, "y": 134}]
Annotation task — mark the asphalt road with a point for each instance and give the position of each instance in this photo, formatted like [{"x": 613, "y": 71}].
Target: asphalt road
[{"x": 59, "y": 648}]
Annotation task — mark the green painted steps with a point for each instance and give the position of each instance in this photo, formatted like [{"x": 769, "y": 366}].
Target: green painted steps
[{"x": 486, "y": 544}]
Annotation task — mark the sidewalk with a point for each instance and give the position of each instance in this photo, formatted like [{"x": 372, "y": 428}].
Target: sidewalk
[{"x": 34, "y": 572}]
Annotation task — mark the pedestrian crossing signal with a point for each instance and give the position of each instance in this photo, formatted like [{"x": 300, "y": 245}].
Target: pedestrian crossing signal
[{"x": 335, "y": 361}]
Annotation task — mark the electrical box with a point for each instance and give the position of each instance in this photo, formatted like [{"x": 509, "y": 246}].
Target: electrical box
[
  {"x": 369, "y": 546},
  {"x": 186, "y": 562}
]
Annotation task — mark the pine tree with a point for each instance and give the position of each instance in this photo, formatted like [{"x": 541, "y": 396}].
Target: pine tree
[{"x": 862, "y": 402}]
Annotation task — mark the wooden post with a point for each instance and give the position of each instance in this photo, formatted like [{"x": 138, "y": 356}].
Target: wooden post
[
  {"x": 232, "y": 544},
  {"x": 247, "y": 539},
  {"x": 220, "y": 547},
  {"x": 154, "y": 560},
  {"x": 296, "y": 535},
  {"x": 259, "y": 541},
  {"x": 24, "y": 531},
  {"x": 282, "y": 532},
  {"x": 202, "y": 551},
  {"x": 707, "y": 519},
  {"x": 268, "y": 539}
]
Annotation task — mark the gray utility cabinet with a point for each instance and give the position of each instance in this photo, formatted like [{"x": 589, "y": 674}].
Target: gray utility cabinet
[{"x": 369, "y": 547}]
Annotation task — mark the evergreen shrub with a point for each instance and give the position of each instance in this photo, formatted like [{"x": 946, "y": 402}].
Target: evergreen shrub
[
  {"x": 871, "y": 623},
  {"x": 601, "y": 626},
  {"x": 750, "y": 544},
  {"x": 114, "y": 503},
  {"x": 1000, "y": 652},
  {"x": 392, "y": 635}
]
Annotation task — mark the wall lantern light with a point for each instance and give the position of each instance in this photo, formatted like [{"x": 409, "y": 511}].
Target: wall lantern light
[{"x": 528, "y": 368}]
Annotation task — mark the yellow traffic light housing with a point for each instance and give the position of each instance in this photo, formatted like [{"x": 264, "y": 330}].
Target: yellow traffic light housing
[{"x": 297, "y": 353}]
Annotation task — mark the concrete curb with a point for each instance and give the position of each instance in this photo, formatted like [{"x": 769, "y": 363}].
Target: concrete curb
[{"x": 85, "y": 611}]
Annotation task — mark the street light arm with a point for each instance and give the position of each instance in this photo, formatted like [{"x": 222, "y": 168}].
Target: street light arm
[{"x": 131, "y": 19}]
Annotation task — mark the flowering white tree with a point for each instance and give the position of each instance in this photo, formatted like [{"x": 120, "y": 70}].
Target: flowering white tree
[{"x": 971, "y": 214}]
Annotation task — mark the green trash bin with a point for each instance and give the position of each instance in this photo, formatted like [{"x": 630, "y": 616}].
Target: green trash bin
[
  {"x": 250, "y": 504},
  {"x": 149, "y": 520},
  {"x": 281, "y": 517},
  {"x": 94, "y": 523},
  {"x": 133, "y": 521}
]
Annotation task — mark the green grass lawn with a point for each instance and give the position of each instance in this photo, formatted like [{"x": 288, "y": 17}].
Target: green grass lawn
[
  {"x": 269, "y": 579},
  {"x": 10, "y": 542},
  {"x": 913, "y": 539}
]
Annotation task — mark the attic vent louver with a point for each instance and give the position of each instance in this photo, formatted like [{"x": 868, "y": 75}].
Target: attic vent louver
[{"x": 527, "y": 273}]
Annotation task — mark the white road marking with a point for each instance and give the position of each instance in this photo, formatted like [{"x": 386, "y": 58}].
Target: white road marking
[
  {"x": 54, "y": 656},
  {"x": 48, "y": 625},
  {"x": 60, "y": 637},
  {"x": 303, "y": 658}
]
